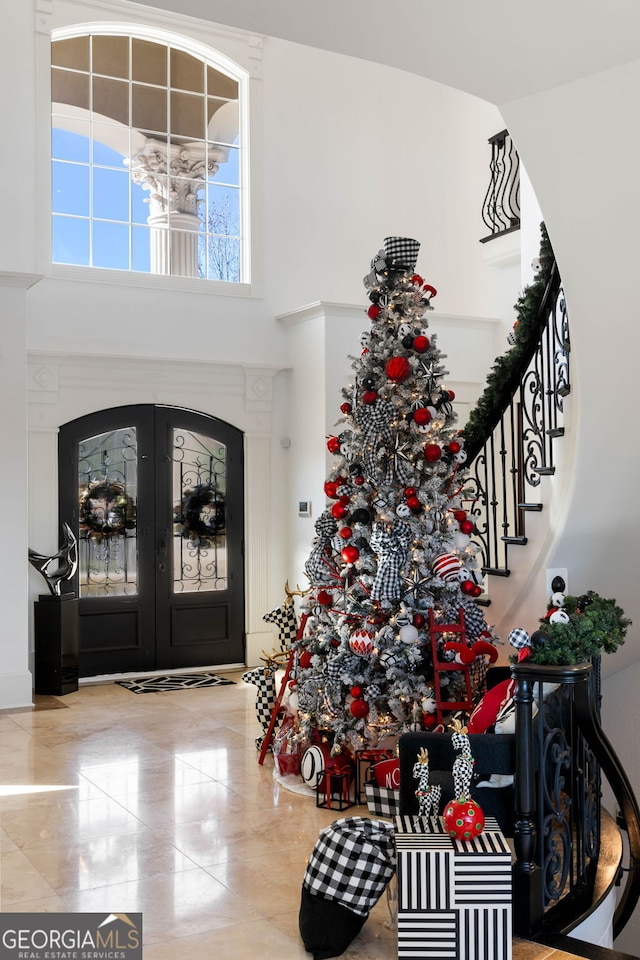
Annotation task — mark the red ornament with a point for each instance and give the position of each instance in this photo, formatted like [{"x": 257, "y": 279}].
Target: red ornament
[
  {"x": 346, "y": 532},
  {"x": 447, "y": 566},
  {"x": 418, "y": 620},
  {"x": 339, "y": 511},
  {"x": 397, "y": 369},
  {"x": 463, "y": 819},
  {"x": 429, "y": 720},
  {"x": 370, "y": 396},
  {"x": 454, "y": 447},
  {"x": 331, "y": 488},
  {"x": 359, "y": 480},
  {"x": 421, "y": 344},
  {"x": 356, "y": 692},
  {"x": 324, "y": 598},
  {"x": 467, "y": 526},
  {"x": 477, "y": 590},
  {"x": 345, "y": 408},
  {"x": 410, "y": 491},
  {"x": 350, "y": 554},
  {"x": 373, "y": 311},
  {"x": 432, "y": 452},
  {"x": 468, "y": 587},
  {"x": 304, "y": 660},
  {"x": 460, "y": 515},
  {"x": 333, "y": 445},
  {"x": 421, "y": 416},
  {"x": 414, "y": 504},
  {"x": 452, "y": 395},
  {"x": 344, "y": 499},
  {"x": 335, "y": 643},
  {"x": 359, "y": 709}
]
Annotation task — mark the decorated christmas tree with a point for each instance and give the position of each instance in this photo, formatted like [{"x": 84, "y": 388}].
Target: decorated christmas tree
[{"x": 393, "y": 552}]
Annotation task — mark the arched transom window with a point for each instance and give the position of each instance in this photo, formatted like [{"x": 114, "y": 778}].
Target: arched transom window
[{"x": 146, "y": 158}]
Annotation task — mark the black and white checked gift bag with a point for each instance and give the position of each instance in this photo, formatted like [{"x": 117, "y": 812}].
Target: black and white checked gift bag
[{"x": 352, "y": 862}]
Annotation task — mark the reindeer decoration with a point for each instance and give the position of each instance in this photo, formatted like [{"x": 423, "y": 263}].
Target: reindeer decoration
[
  {"x": 462, "y": 769},
  {"x": 285, "y": 617},
  {"x": 428, "y": 794},
  {"x": 264, "y": 676}
]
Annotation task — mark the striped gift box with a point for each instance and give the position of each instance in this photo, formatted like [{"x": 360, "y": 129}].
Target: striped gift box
[{"x": 454, "y": 896}]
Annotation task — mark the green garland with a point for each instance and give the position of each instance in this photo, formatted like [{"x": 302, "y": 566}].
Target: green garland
[
  {"x": 508, "y": 369},
  {"x": 601, "y": 628}
]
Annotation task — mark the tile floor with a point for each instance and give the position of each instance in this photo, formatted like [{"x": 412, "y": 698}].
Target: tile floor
[{"x": 155, "y": 803}]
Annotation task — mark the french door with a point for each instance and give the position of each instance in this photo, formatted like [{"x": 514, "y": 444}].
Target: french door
[{"x": 155, "y": 496}]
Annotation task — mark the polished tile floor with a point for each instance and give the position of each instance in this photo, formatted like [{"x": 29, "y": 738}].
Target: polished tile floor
[{"x": 155, "y": 803}]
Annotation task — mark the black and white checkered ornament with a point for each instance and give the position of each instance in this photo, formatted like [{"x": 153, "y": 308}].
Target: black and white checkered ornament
[
  {"x": 352, "y": 862},
  {"x": 519, "y": 638}
]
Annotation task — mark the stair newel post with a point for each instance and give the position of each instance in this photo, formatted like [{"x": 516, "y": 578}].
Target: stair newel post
[{"x": 527, "y": 877}]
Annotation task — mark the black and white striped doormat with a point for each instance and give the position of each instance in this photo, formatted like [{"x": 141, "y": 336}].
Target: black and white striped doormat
[{"x": 176, "y": 681}]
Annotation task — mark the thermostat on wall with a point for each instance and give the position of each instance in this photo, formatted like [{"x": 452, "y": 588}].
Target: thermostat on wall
[{"x": 304, "y": 508}]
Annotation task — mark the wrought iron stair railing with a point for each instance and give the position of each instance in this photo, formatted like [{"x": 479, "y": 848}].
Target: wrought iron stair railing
[
  {"x": 560, "y": 755},
  {"x": 501, "y": 205},
  {"x": 517, "y": 449}
]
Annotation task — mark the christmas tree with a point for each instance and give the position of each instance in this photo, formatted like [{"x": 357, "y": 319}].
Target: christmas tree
[{"x": 392, "y": 551}]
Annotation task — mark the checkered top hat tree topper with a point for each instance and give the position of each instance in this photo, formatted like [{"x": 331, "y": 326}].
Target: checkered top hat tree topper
[{"x": 397, "y": 501}]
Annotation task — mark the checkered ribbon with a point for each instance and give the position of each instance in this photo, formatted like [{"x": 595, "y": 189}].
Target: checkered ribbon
[
  {"x": 318, "y": 566},
  {"x": 402, "y": 252},
  {"x": 375, "y": 420},
  {"x": 286, "y": 620},
  {"x": 392, "y": 545},
  {"x": 352, "y": 862}
]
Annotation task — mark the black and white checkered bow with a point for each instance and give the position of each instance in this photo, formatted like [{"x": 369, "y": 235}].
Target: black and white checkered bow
[
  {"x": 375, "y": 421},
  {"x": 319, "y": 568},
  {"x": 352, "y": 862},
  {"x": 391, "y": 545}
]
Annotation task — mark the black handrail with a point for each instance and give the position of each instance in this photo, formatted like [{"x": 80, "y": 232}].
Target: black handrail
[{"x": 519, "y": 429}]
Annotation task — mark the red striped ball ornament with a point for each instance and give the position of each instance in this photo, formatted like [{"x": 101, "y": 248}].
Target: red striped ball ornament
[{"x": 447, "y": 566}]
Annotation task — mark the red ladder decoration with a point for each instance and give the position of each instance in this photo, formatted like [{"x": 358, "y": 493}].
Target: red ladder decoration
[
  {"x": 277, "y": 707},
  {"x": 449, "y": 666}
]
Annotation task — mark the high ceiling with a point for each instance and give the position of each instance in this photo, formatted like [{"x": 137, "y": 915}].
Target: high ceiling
[{"x": 500, "y": 50}]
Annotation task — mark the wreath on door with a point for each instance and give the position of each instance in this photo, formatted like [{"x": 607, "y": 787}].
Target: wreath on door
[
  {"x": 106, "y": 510},
  {"x": 201, "y": 514}
]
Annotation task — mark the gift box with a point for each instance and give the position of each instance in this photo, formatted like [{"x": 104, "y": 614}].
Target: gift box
[
  {"x": 364, "y": 761},
  {"x": 454, "y": 896},
  {"x": 381, "y": 801}
]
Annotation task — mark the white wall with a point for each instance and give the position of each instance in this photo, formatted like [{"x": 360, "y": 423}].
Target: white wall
[{"x": 346, "y": 152}]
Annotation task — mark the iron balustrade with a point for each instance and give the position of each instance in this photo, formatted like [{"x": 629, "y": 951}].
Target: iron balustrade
[
  {"x": 519, "y": 446},
  {"x": 501, "y": 206},
  {"x": 560, "y": 754}
]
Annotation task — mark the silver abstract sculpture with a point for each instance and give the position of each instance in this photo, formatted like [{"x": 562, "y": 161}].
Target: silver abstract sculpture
[{"x": 61, "y": 566}]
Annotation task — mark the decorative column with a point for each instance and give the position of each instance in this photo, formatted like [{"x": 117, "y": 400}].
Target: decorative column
[{"x": 173, "y": 175}]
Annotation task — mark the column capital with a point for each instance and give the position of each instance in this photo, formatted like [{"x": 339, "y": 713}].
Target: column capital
[{"x": 172, "y": 174}]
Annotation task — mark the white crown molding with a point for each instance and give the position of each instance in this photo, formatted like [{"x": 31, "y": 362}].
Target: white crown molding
[{"x": 319, "y": 309}]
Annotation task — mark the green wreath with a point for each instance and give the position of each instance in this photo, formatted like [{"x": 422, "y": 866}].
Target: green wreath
[
  {"x": 201, "y": 514},
  {"x": 106, "y": 510}
]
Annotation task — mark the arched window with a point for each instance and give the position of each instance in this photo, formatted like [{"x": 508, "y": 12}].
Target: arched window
[{"x": 147, "y": 155}]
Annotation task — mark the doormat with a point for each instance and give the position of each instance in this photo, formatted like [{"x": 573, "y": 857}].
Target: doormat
[{"x": 178, "y": 681}]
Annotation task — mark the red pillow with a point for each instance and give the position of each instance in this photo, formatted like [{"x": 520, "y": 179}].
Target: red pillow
[{"x": 486, "y": 713}]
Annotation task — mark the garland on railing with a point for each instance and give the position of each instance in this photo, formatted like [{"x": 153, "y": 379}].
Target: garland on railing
[
  {"x": 594, "y": 626},
  {"x": 508, "y": 369}
]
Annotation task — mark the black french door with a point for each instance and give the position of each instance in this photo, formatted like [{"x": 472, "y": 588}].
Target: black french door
[{"x": 155, "y": 495}]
